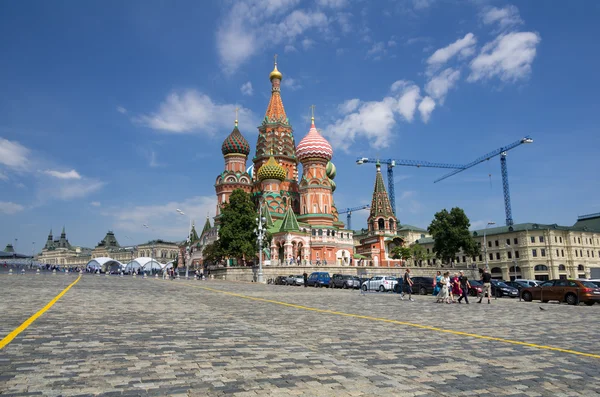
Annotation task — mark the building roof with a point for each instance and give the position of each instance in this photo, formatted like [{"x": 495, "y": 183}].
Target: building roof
[
  {"x": 289, "y": 222},
  {"x": 412, "y": 228},
  {"x": 380, "y": 204},
  {"x": 591, "y": 222},
  {"x": 207, "y": 226},
  {"x": 271, "y": 170},
  {"x": 109, "y": 241},
  {"x": 275, "y": 111},
  {"x": 313, "y": 145},
  {"x": 235, "y": 143}
]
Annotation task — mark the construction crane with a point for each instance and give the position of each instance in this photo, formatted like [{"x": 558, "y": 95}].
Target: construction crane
[
  {"x": 502, "y": 152},
  {"x": 349, "y": 211},
  {"x": 408, "y": 163}
]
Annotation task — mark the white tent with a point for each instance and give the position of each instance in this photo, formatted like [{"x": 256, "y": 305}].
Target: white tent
[
  {"x": 104, "y": 264},
  {"x": 145, "y": 264}
]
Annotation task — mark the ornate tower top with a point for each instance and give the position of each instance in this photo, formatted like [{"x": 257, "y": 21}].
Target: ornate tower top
[
  {"x": 275, "y": 111},
  {"x": 314, "y": 145},
  {"x": 380, "y": 205},
  {"x": 235, "y": 142}
]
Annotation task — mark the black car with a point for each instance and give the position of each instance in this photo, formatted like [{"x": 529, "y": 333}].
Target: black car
[
  {"x": 500, "y": 289},
  {"x": 519, "y": 285},
  {"x": 421, "y": 285},
  {"x": 344, "y": 281},
  {"x": 280, "y": 280}
]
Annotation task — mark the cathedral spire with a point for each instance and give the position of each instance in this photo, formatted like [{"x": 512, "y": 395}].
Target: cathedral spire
[
  {"x": 275, "y": 111},
  {"x": 380, "y": 205}
]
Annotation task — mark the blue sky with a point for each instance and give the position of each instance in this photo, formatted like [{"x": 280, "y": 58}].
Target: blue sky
[{"x": 112, "y": 114}]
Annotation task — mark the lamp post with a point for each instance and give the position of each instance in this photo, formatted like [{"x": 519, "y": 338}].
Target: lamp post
[
  {"x": 152, "y": 251},
  {"x": 514, "y": 264},
  {"x": 188, "y": 249},
  {"x": 485, "y": 242},
  {"x": 260, "y": 233}
]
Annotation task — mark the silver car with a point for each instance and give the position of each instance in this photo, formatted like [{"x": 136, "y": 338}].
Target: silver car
[{"x": 295, "y": 280}]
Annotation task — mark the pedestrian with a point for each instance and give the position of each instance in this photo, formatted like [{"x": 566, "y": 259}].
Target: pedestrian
[
  {"x": 456, "y": 289},
  {"x": 305, "y": 276},
  {"x": 444, "y": 295},
  {"x": 407, "y": 281},
  {"x": 464, "y": 286},
  {"x": 486, "y": 279},
  {"x": 437, "y": 285}
]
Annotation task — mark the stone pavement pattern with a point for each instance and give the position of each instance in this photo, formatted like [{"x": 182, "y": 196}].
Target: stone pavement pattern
[{"x": 125, "y": 336}]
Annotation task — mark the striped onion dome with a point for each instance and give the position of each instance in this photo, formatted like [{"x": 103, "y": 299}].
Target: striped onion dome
[
  {"x": 314, "y": 145},
  {"x": 235, "y": 143},
  {"x": 330, "y": 170},
  {"x": 271, "y": 170}
]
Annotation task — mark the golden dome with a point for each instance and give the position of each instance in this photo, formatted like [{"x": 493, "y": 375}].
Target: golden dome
[
  {"x": 275, "y": 74},
  {"x": 271, "y": 170}
]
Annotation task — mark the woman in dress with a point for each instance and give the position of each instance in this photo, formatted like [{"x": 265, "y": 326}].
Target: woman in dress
[
  {"x": 456, "y": 290},
  {"x": 443, "y": 296},
  {"x": 436, "y": 283}
]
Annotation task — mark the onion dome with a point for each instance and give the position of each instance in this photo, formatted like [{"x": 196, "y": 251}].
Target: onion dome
[
  {"x": 314, "y": 145},
  {"x": 235, "y": 143},
  {"x": 275, "y": 74},
  {"x": 271, "y": 170},
  {"x": 333, "y": 185},
  {"x": 330, "y": 170}
]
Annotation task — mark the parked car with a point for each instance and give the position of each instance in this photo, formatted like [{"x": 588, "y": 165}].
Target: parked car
[
  {"x": 571, "y": 291},
  {"x": 530, "y": 283},
  {"x": 295, "y": 280},
  {"x": 280, "y": 280},
  {"x": 476, "y": 287},
  {"x": 421, "y": 285},
  {"x": 318, "y": 279},
  {"x": 500, "y": 289},
  {"x": 344, "y": 281},
  {"x": 517, "y": 284},
  {"x": 380, "y": 283}
]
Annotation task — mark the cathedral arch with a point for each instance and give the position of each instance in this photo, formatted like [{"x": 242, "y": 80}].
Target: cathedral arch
[{"x": 381, "y": 224}]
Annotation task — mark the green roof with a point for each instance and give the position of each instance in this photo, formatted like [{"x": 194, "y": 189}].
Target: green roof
[
  {"x": 412, "y": 228},
  {"x": 380, "y": 204},
  {"x": 588, "y": 222},
  {"x": 207, "y": 225},
  {"x": 289, "y": 223}
]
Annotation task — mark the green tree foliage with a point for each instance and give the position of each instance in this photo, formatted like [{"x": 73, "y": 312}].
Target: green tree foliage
[
  {"x": 238, "y": 220},
  {"x": 451, "y": 233},
  {"x": 417, "y": 253},
  {"x": 212, "y": 252},
  {"x": 401, "y": 253}
]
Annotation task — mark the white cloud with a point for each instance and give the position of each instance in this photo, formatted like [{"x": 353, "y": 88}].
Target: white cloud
[
  {"x": 163, "y": 217},
  {"x": 95, "y": 204},
  {"x": 505, "y": 17},
  {"x": 376, "y": 49},
  {"x": 3, "y": 176},
  {"x": 291, "y": 84},
  {"x": 191, "y": 111},
  {"x": 439, "y": 85},
  {"x": 373, "y": 120},
  {"x": 307, "y": 44},
  {"x": 508, "y": 57},
  {"x": 241, "y": 33},
  {"x": 422, "y": 4},
  {"x": 9, "y": 208},
  {"x": 69, "y": 189},
  {"x": 333, "y": 3},
  {"x": 246, "y": 89},
  {"x": 14, "y": 155},
  {"x": 20, "y": 185},
  {"x": 153, "y": 162},
  {"x": 407, "y": 194},
  {"x": 426, "y": 107},
  {"x": 63, "y": 175},
  {"x": 289, "y": 48},
  {"x": 464, "y": 47},
  {"x": 121, "y": 110}
]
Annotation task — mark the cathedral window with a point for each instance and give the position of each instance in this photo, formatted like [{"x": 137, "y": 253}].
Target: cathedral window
[
  {"x": 326, "y": 208},
  {"x": 328, "y": 233},
  {"x": 320, "y": 232},
  {"x": 381, "y": 224}
]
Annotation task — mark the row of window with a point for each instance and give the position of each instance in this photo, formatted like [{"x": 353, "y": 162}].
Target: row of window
[
  {"x": 578, "y": 254},
  {"x": 328, "y": 233}
]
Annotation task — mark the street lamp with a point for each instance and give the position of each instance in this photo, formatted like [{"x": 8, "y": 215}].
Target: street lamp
[
  {"x": 151, "y": 252},
  {"x": 260, "y": 233},
  {"x": 187, "y": 248},
  {"x": 515, "y": 264},
  {"x": 485, "y": 242}
]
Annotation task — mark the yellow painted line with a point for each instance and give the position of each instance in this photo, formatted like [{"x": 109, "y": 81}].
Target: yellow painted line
[
  {"x": 8, "y": 338},
  {"x": 386, "y": 320}
]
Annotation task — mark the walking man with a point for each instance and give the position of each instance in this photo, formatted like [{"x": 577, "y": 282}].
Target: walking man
[
  {"x": 464, "y": 286},
  {"x": 486, "y": 279},
  {"x": 407, "y": 286},
  {"x": 305, "y": 276}
]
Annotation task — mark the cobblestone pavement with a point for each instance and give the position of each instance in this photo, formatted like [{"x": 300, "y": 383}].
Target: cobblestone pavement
[{"x": 126, "y": 336}]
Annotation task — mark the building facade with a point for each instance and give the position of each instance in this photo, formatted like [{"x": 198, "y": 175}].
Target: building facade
[
  {"x": 535, "y": 251},
  {"x": 61, "y": 253}
]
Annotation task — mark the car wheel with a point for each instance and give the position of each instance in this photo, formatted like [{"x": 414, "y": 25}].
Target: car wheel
[
  {"x": 498, "y": 294},
  {"x": 545, "y": 301},
  {"x": 589, "y": 303},
  {"x": 381, "y": 288},
  {"x": 473, "y": 293},
  {"x": 364, "y": 287},
  {"x": 422, "y": 291},
  {"x": 316, "y": 285},
  {"x": 571, "y": 299},
  {"x": 527, "y": 297},
  {"x": 345, "y": 286}
]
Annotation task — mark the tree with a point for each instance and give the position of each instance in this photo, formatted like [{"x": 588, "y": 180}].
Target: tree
[
  {"x": 401, "y": 253},
  {"x": 212, "y": 252},
  {"x": 238, "y": 220},
  {"x": 450, "y": 231},
  {"x": 417, "y": 253}
]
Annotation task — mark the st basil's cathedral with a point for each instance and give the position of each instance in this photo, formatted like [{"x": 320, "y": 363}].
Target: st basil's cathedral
[{"x": 300, "y": 210}]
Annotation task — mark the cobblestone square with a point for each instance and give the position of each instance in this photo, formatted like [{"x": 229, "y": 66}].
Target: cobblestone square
[{"x": 134, "y": 336}]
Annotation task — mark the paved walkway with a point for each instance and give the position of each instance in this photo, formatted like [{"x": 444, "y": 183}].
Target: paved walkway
[{"x": 125, "y": 336}]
